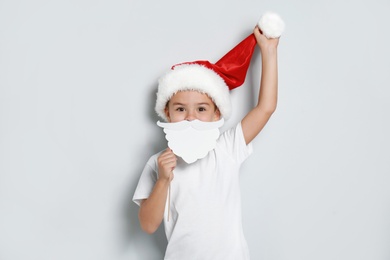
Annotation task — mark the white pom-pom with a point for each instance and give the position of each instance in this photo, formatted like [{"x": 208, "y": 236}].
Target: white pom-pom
[{"x": 271, "y": 24}]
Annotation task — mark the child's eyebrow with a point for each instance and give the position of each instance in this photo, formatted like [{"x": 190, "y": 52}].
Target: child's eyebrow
[
  {"x": 177, "y": 104},
  {"x": 199, "y": 104}
]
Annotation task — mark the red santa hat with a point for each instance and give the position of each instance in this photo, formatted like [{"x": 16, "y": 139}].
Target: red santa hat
[{"x": 215, "y": 80}]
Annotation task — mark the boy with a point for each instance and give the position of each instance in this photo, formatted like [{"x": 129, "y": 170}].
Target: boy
[{"x": 204, "y": 202}]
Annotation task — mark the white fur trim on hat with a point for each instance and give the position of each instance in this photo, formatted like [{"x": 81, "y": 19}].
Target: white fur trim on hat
[
  {"x": 193, "y": 77},
  {"x": 271, "y": 24}
]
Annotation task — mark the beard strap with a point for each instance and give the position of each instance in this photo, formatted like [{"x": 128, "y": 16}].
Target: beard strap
[{"x": 169, "y": 200}]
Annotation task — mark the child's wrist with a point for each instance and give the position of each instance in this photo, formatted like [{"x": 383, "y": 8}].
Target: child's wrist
[
  {"x": 164, "y": 180},
  {"x": 269, "y": 50}
]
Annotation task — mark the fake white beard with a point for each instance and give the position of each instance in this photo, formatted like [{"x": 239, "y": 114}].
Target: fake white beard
[{"x": 191, "y": 140}]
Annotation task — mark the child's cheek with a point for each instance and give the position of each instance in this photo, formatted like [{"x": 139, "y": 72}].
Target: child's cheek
[{"x": 176, "y": 117}]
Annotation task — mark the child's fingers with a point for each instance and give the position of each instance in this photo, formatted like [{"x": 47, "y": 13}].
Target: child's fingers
[
  {"x": 257, "y": 32},
  {"x": 263, "y": 41},
  {"x": 167, "y": 151},
  {"x": 167, "y": 154},
  {"x": 167, "y": 160}
]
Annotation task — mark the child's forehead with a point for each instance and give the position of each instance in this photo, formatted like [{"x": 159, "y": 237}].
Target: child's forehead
[
  {"x": 190, "y": 97},
  {"x": 190, "y": 94}
]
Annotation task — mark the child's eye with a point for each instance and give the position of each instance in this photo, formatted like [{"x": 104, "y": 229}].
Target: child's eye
[
  {"x": 180, "y": 109},
  {"x": 202, "y": 109}
]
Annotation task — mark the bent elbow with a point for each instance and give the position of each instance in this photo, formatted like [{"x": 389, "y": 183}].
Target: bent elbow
[
  {"x": 272, "y": 108},
  {"x": 148, "y": 228},
  {"x": 269, "y": 110},
  {"x": 148, "y": 222}
]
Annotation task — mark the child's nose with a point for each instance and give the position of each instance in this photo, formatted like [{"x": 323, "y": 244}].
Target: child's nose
[{"x": 190, "y": 116}]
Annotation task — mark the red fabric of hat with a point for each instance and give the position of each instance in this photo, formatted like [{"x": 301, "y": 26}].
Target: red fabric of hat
[{"x": 233, "y": 66}]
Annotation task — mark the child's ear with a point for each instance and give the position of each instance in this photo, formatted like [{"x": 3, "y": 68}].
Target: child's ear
[
  {"x": 166, "y": 111},
  {"x": 217, "y": 114}
]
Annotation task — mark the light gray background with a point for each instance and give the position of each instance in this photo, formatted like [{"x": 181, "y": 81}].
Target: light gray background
[{"x": 77, "y": 90}]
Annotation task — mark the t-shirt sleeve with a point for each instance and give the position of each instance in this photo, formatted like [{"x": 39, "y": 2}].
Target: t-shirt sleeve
[
  {"x": 146, "y": 181},
  {"x": 233, "y": 142}
]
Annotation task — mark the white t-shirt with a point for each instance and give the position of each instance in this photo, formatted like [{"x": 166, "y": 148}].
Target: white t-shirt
[{"x": 205, "y": 205}]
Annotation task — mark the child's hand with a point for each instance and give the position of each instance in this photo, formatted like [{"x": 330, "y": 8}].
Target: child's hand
[
  {"x": 263, "y": 42},
  {"x": 166, "y": 165}
]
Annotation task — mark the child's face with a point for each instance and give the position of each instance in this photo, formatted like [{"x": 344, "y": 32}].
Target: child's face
[{"x": 191, "y": 105}]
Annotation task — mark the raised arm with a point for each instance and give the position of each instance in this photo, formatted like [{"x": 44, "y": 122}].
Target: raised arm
[{"x": 257, "y": 118}]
